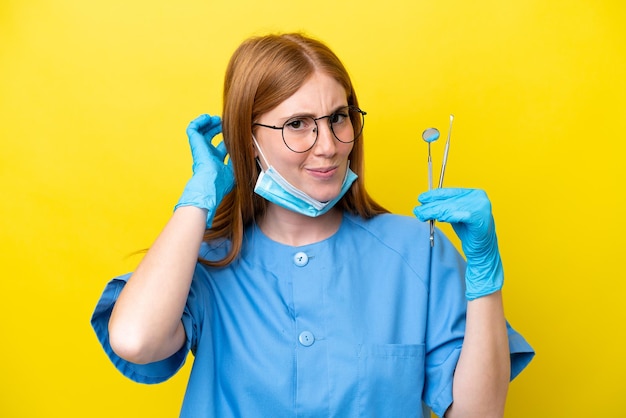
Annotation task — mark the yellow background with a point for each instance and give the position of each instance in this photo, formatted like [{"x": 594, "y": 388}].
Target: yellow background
[{"x": 95, "y": 97}]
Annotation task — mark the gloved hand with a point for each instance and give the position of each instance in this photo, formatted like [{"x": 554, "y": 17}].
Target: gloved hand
[
  {"x": 212, "y": 179},
  {"x": 469, "y": 212}
]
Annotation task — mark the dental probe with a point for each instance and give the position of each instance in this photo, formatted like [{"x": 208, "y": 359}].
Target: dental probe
[{"x": 445, "y": 153}]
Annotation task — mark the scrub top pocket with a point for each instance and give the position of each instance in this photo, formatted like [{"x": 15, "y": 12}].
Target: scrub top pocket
[{"x": 391, "y": 380}]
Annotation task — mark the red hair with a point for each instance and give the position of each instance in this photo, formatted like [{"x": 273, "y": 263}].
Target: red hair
[{"x": 262, "y": 73}]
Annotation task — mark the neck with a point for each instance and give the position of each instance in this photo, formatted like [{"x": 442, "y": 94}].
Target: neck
[{"x": 291, "y": 228}]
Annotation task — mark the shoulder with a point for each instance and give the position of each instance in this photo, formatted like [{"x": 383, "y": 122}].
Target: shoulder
[
  {"x": 214, "y": 250},
  {"x": 390, "y": 227},
  {"x": 204, "y": 274},
  {"x": 404, "y": 236}
]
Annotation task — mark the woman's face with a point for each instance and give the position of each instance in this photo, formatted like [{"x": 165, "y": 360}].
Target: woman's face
[{"x": 320, "y": 171}]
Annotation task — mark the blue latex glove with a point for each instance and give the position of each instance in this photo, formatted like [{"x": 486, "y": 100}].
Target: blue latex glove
[
  {"x": 212, "y": 179},
  {"x": 469, "y": 212}
]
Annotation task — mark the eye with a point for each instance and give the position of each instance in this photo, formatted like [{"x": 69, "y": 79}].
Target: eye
[
  {"x": 299, "y": 124},
  {"x": 339, "y": 117}
]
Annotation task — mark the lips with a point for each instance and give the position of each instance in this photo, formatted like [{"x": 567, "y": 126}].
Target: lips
[
  {"x": 323, "y": 169},
  {"x": 323, "y": 172}
]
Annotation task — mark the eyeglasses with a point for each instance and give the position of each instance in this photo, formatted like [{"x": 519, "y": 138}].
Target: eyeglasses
[{"x": 300, "y": 133}]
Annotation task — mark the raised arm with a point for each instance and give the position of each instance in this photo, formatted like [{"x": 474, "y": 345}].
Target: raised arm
[
  {"x": 145, "y": 324},
  {"x": 482, "y": 374}
]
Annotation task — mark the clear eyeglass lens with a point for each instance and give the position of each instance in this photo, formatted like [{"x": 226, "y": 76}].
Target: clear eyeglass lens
[{"x": 300, "y": 133}]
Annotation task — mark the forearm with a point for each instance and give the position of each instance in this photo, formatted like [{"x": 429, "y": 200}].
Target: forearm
[
  {"x": 145, "y": 324},
  {"x": 482, "y": 375}
]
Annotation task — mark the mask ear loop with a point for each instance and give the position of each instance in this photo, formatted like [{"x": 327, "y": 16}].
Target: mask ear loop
[{"x": 258, "y": 148}]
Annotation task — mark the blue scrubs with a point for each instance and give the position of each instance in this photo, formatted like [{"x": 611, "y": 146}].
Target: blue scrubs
[{"x": 367, "y": 323}]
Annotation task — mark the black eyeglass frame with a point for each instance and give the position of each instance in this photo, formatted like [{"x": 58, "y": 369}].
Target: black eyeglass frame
[{"x": 330, "y": 125}]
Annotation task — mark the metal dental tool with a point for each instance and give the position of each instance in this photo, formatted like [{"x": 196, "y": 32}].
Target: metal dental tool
[
  {"x": 431, "y": 135},
  {"x": 445, "y": 153}
]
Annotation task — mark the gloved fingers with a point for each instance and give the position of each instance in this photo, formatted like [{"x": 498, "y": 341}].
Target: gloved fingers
[
  {"x": 200, "y": 124},
  {"x": 454, "y": 205},
  {"x": 206, "y": 126},
  {"x": 221, "y": 151},
  {"x": 211, "y": 128},
  {"x": 443, "y": 193},
  {"x": 447, "y": 212},
  {"x": 200, "y": 132}
]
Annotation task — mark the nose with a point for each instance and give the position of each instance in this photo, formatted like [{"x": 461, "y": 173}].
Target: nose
[{"x": 326, "y": 143}]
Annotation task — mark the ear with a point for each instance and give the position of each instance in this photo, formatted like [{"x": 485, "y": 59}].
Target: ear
[{"x": 254, "y": 145}]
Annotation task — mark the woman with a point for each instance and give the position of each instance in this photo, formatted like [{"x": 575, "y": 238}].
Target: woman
[{"x": 309, "y": 298}]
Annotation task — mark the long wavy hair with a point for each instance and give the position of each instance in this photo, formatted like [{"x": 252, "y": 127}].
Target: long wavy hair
[{"x": 262, "y": 73}]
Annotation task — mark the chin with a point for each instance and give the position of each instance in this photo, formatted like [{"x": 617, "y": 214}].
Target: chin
[
  {"x": 324, "y": 191},
  {"x": 325, "y": 197}
]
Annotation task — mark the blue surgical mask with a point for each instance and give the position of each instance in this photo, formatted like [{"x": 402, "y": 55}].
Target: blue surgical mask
[{"x": 276, "y": 189}]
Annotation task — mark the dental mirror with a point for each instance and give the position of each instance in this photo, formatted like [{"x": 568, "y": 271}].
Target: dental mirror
[{"x": 430, "y": 135}]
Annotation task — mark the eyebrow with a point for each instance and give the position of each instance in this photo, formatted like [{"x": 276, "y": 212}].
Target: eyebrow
[{"x": 311, "y": 115}]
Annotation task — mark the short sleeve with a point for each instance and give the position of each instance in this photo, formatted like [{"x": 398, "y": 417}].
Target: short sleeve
[
  {"x": 446, "y": 327},
  {"x": 521, "y": 352},
  {"x": 142, "y": 373}
]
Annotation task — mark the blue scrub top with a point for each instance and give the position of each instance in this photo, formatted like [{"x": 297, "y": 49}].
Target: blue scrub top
[{"x": 367, "y": 323}]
